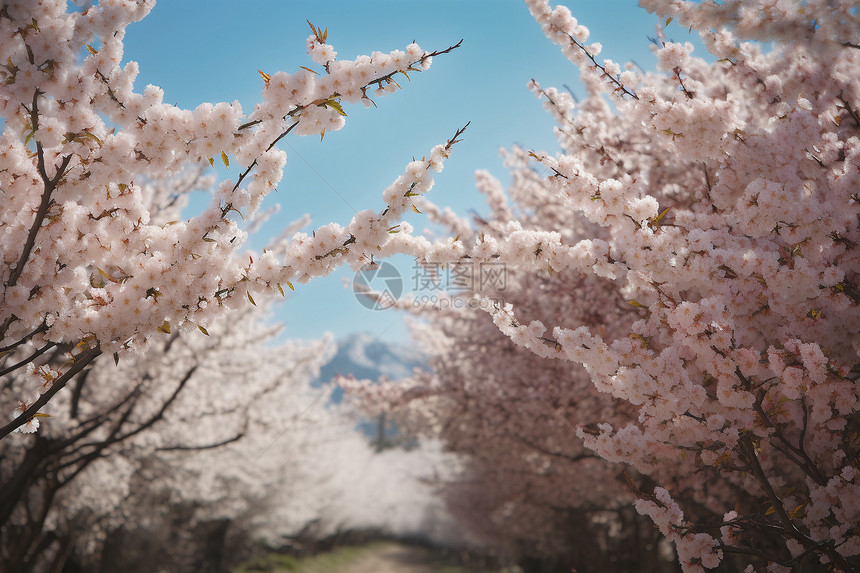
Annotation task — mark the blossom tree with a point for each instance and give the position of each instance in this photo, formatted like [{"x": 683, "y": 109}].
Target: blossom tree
[
  {"x": 720, "y": 200},
  {"x": 526, "y": 489},
  {"x": 87, "y": 269},
  {"x": 172, "y": 423},
  {"x": 110, "y": 291},
  {"x": 167, "y": 451}
]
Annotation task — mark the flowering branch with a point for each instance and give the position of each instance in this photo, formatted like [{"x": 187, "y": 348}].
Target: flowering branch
[{"x": 80, "y": 362}]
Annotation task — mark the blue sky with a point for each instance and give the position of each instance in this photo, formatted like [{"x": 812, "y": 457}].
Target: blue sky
[{"x": 209, "y": 50}]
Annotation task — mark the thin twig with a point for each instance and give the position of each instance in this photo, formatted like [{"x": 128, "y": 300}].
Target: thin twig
[{"x": 618, "y": 85}]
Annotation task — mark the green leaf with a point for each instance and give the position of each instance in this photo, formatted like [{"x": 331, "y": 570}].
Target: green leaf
[
  {"x": 225, "y": 159},
  {"x": 165, "y": 327},
  {"x": 203, "y": 330},
  {"x": 251, "y": 299},
  {"x": 211, "y": 162},
  {"x": 661, "y": 215},
  {"x": 335, "y": 105},
  {"x": 289, "y": 284},
  {"x": 280, "y": 290}
]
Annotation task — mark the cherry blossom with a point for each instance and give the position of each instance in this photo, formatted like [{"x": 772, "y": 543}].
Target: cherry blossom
[
  {"x": 717, "y": 199},
  {"x": 86, "y": 263}
]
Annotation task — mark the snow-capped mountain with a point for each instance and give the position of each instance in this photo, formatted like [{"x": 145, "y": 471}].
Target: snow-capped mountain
[{"x": 366, "y": 357}]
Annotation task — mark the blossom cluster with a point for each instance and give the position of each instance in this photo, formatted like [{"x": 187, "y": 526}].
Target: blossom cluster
[
  {"x": 719, "y": 200},
  {"x": 86, "y": 259}
]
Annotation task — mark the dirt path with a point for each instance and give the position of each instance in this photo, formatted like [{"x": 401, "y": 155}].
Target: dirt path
[{"x": 392, "y": 558}]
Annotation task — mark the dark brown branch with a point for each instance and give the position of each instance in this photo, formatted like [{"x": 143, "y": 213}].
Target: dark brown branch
[
  {"x": 253, "y": 163},
  {"x": 440, "y": 52},
  {"x": 42, "y": 328},
  {"x": 30, "y": 358},
  {"x": 74, "y": 403},
  {"x": 761, "y": 554},
  {"x": 300, "y": 108},
  {"x": 235, "y": 438},
  {"x": 98, "y": 447},
  {"x": 618, "y": 85},
  {"x": 248, "y": 124},
  {"x": 851, "y": 111},
  {"x": 796, "y": 454},
  {"x": 390, "y": 77},
  {"x": 50, "y": 183},
  {"x": 81, "y": 361},
  {"x": 546, "y": 452},
  {"x": 450, "y": 143},
  {"x": 280, "y": 137},
  {"x": 788, "y": 525},
  {"x": 752, "y": 459},
  {"x": 89, "y": 425},
  {"x": 160, "y": 414},
  {"x": 112, "y": 95},
  {"x": 688, "y": 93}
]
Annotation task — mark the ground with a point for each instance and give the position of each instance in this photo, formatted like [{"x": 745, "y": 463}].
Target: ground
[{"x": 385, "y": 557}]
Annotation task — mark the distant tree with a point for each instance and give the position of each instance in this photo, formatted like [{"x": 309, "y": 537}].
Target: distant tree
[
  {"x": 186, "y": 426},
  {"x": 183, "y": 457},
  {"x": 528, "y": 487}
]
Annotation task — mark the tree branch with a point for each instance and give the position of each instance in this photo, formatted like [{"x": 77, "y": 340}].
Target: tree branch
[
  {"x": 50, "y": 183},
  {"x": 81, "y": 362},
  {"x": 235, "y": 438},
  {"x": 30, "y": 358}
]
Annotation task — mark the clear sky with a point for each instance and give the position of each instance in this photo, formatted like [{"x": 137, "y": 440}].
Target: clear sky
[{"x": 210, "y": 50}]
